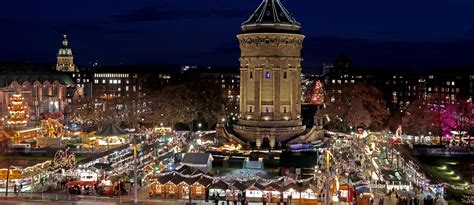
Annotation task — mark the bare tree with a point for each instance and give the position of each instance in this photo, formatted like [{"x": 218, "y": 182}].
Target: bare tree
[{"x": 354, "y": 105}]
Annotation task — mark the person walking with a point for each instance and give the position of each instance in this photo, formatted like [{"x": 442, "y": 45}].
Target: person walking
[{"x": 381, "y": 201}]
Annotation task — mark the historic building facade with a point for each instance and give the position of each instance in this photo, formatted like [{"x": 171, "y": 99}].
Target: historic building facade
[
  {"x": 44, "y": 90},
  {"x": 65, "y": 59},
  {"x": 270, "y": 72}
]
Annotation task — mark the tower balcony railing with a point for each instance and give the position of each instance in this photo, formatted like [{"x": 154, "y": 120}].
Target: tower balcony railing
[{"x": 270, "y": 124}]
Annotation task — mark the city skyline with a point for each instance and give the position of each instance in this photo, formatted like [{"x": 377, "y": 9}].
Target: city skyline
[
  {"x": 403, "y": 35},
  {"x": 206, "y": 102}
]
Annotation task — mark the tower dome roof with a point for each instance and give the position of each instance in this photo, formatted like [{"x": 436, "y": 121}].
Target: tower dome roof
[
  {"x": 65, "y": 50},
  {"x": 271, "y": 16}
]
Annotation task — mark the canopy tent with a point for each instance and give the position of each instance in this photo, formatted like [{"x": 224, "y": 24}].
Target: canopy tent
[{"x": 111, "y": 130}]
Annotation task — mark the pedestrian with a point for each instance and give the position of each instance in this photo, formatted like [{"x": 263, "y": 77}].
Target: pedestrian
[{"x": 216, "y": 200}]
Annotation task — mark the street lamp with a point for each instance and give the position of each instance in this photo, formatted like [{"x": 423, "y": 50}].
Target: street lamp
[
  {"x": 199, "y": 125},
  {"x": 135, "y": 171}
]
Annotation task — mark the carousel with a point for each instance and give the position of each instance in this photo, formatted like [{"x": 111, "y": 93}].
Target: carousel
[{"x": 112, "y": 135}]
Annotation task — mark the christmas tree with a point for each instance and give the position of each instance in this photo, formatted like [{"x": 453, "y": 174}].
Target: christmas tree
[
  {"x": 317, "y": 97},
  {"x": 18, "y": 111}
]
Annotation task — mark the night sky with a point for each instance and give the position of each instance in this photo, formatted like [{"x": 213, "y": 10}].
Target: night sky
[{"x": 406, "y": 34}]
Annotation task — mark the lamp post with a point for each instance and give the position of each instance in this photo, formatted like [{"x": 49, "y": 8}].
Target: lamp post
[
  {"x": 328, "y": 180},
  {"x": 8, "y": 179},
  {"x": 8, "y": 172},
  {"x": 135, "y": 171}
]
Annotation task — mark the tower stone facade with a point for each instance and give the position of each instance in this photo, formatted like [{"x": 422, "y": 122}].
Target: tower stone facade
[
  {"x": 270, "y": 72},
  {"x": 65, "y": 59}
]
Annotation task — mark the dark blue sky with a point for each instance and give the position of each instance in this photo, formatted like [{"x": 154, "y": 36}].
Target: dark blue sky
[{"x": 417, "y": 34}]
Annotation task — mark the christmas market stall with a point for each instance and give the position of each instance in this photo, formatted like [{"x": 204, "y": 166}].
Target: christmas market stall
[
  {"x": 177, "y": 186},
  {"x": 183, "y": 184},
  {"x": 219, "y": 189}
]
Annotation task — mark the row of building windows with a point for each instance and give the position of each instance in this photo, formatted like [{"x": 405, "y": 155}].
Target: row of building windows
[
  {"x": 233, "y": 81},
  {"x": 111, "y": 81},
  {"x": 444, "y": 90},
  {"x": 83, "y": 80},
  {"x": 110, "y": 75},
  {"x": 229, "y": 86},
  {"x": 340, "y": 81},
  {"x": 78, "y": 75},
  {"x": 268, "y": 109},
  {"x": 351, "y": 77}
]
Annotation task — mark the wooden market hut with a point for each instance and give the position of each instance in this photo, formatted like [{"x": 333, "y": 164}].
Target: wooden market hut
[
  {"x": 308, "y": 193},
  {"x": 176, "y": 186},
  {"x": 293, "y": 191},
  {"x": 276, "y": 189},
  {"x": 219, "y": 188},
  {"x": 167, "y": 187},
  {"x": 235, "y": 189},
  {"x": 200, "y": 188},
  {"x": 254, "y": 191},
  {"x": 159, "y": 187}
]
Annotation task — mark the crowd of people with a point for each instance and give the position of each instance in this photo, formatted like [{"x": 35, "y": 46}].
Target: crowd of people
[{"x": 81, "y": 190}]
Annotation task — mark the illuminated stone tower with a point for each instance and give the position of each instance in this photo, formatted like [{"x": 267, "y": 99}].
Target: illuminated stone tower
[
  {"x": 270, "y": 72},
  {"x": 65, "y": 58}
]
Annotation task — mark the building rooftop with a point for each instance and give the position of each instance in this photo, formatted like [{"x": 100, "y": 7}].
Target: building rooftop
[
  {"x": 196, "y": 158},
  {"x": 271, "y": 16},
  {"x": 21, "y": 72},
  {"x": 145, "y": 69}
]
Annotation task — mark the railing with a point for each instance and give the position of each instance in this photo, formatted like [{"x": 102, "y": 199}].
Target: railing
[
  {"x": 60, "y": 197},
  {"x": 63, "y": 197},
  {"x": 232, "y": 136}
]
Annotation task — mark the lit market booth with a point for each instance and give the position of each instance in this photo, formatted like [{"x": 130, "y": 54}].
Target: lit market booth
[
  {"x": 219, "y": 189},
  {"x": 235, "y": 189},
  {"x": 13, "y": 175},
  {"x": 309, "y": 193},
  {"x": 364, "y": 195},
  {"x": 175, "y": 186},
  {"x": 255, "y": 191},
  {"x": 346, "y": 193},
  {"x": 180, "y": 185}
]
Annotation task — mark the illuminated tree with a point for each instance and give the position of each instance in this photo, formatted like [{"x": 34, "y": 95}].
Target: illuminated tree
[
  {"x": 457, "y": 118},
  {"x": 63, "y": 160}
]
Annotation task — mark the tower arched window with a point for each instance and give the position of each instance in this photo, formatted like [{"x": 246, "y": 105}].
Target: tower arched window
[
  {"x": 267, "y": 75},
  {"x": 251, "y": 75}
]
